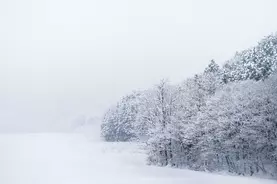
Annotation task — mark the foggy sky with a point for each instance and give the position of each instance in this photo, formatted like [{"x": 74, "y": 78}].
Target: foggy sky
[{"x": 63, "y": 58}]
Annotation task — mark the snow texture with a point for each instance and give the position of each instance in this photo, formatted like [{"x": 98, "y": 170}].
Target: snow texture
[{"x": 72, "y": 158}]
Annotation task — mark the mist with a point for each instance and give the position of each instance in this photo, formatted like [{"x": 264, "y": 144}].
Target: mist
[{"x": 63, "y": 59}]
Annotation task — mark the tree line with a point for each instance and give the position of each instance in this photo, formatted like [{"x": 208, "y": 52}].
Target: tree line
[{"x": 223, "y": 119}]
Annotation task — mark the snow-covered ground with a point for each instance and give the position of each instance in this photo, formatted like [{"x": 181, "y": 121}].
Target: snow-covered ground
[{"x": 72, "y": 158}]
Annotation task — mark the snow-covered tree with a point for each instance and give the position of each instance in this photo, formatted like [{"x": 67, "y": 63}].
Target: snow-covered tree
[
  {"x": 119, "y": 121},
  {"x": 156, "y": 114},
  {"x": 256, "y": 63},
  {"x": 239, "y": 128},
  {"x": 212, "y": 78}
]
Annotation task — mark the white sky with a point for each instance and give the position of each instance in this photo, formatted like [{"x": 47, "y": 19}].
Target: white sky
[{"x": 63, "y": 58}]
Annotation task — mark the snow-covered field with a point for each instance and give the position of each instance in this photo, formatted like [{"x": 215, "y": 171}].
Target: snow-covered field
[{"x": 72, "y": 158}]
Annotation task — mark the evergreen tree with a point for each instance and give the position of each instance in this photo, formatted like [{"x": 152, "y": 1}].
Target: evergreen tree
[{"x": 256, "y": 63}]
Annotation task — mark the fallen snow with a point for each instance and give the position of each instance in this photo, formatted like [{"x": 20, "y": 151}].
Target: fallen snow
[{"x": 71, "y": 158}]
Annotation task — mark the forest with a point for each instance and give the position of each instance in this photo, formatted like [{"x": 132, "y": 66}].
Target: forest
[{"x": 221, "y": 120}]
